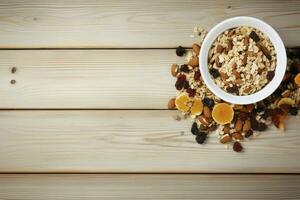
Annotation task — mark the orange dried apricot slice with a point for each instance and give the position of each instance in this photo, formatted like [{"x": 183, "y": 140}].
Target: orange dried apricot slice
[
  {"x": 197, "y": 107},
  {"x": 222, "y": 113},
  {"x": 181, "y": 102},
  {"x": 286, "y": 101},
  {"x": 297, "y": 80}
]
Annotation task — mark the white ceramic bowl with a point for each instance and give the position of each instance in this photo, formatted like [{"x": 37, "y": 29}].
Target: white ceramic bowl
[{"x": 279, "y": 48}]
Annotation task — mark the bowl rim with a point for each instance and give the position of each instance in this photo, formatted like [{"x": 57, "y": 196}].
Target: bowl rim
[{"x": 280, "y": 54}]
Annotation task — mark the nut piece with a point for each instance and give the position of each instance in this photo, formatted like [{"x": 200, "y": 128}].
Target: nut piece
[
  {"x": 207, "y": 112},
  {"x": 238, "y": 125},
  {"x": 174, "y": 70},
  {"x": 237, "y": 136},
  {"x": 203, "y": 120},
  {"x": 224, "y": 76},
  {"x": 194, "y": 62},
  {"x": 171, "y": 104},
  {"x": 225, "y": 139},
  {"x": 247, "y": 125},
  {"x": 226, "y": 129},
  {"x": 196, "y": 48}
]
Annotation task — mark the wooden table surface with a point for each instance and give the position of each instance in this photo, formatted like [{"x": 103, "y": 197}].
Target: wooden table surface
[{"x": 86, "y": 117}]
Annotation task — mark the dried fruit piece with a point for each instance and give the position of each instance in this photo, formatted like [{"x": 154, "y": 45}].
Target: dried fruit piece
[
  {"x": 171, "y": 104},
  {"x": 222, "y": 113},
  {"x": 191, "y": 92},
  {"x": 194, "y": 129},
  {"x": 249, "y": 107},
  {"x": 174, "y": 70},
  {"x": 225, "y": 139},
  {"x": 237, "y": 147},
  {"x": 184, "y": 68},
  {"x": 194, "y": 62},
  {"x": 181, "y": 102},
  {"x": 197, "y": 107},
  {"x": 180, "y": 51},
  {"x": 200, "y": 139},
  {"x": 233, "y": 89},
  {"x": 196, "y": 48},
  {"x": 206, "y": 112},
  {"x": 208, "y": 102},
  {"x": 214, "y": 72},
  {"x": 297, "y": 80},
  {"x": 237, "y": 136},
  {"x": 254, "y": 36},
  {"x": 197, "y": 75},
  {"x": 286, "y": 100}
]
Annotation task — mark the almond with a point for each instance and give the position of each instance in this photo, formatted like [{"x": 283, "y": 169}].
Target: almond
[
  {"x": 236, "y": 74},
  {"x": 238, "y": 81},
  {"x": 226, "y": 129},
  {"x": 203, "y": 120},
  {"x": 225, "y": 139},
  {"x": 224, "y": 76},
  {"x": 219, "y": 48},
  {"x": 194, "y": 62},
  {"x": 238, "y": 125},
  {"x": 171, "y": 104},
  {"x": 207, "y": 112},
  {"x": 247, "y": 125},
  {"x": 196, "y": 48},
  {"x": 238, "y": 136},
  {"x": 174, "y": 70}
]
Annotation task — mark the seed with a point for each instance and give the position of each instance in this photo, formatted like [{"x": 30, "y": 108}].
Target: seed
[
  {"x": 237, "y": 147},
  {"x": 248, "y": 134},
  {"x": 180, "y": 51},
  {"x": 171, "y": 104},
  {"x": 214, "y": 72},
  {"x": 184, "y": 68},
  {"x": 254, "y": 36},
  {"x": 270, "y": 75}
]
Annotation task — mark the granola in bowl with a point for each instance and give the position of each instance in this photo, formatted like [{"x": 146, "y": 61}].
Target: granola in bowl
[{"x": 242, "y": 60}]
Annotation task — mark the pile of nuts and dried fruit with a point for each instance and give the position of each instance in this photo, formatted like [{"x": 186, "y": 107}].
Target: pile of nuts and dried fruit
[
  {"x": 242, "y": 60},
  {"x": 232, "y": 123}
]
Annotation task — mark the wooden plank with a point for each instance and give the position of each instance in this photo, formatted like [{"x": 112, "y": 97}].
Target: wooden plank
[
  {"x": 133, "y": 141},
  {"x": 106, "y": 23},
  {"x": 118, "y": 186},
  {"x": 126, "y": 79}
]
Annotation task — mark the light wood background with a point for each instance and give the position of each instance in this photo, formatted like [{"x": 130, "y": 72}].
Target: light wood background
[{"x": 92, "y": 84}]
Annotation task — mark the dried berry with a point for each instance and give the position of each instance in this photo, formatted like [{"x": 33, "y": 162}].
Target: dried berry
[
  {"x": 180, "y": 51},
  {"x": 197, "y": 75},
  {"x": 270, "y": 75},
  {"x": 184, "y": 68},
  {"x": 254, "y": 36},
  {"x": 208, "y": 102},
  {"x": 295, "y": 68},
  {"x": 248, "y": 134},
  {"x": 191, "y": 92},
  {"x": 200, "y": 139},
  {"x": 293, "y": 111},
  {"x": 194, "y": 129},
  {"x": 237, "y": 147},
  {"x": 233, "y": 89},
  {"x": 254, "y": 123},
  {"x": 214, "y": 72},
  {"x": 186, "y": 85},
  {"x": 265, "y": 51}
]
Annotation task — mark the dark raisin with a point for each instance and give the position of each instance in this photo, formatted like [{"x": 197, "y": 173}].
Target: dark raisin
[
  {"x": 266, "y": 102},
  {"x": 208, "y": 102},
  {"x": 197, "y": 75},
  {"x": 194, "y": 129},
  {"x": 191, "y": 92},
  {"x": 179, "y": 85},
  {"x": 277, "y": 93},
  {"x": 180, "y": 51},
  {"x": 200, "y": 139},
  {"x": 254, "y": 123},
  {"x": 181, "y": 77},
  {"x": 259, "y": 109},
  {"x": 295, "y": 68},
  {"x": 185, "y": 85},
  {"x": 237, "y": 147},
  {"x": 248, "y": 134},
  {"x": 233, "y": 89},
  {"x": 262, "y": 126},
  {"x": 214, "y": 72},
  {"x": 254, "y": 36},
  {"x": 270, "y": 75},
  {"x": 184, "y": 68},
  {"x": 293, "y": 111}
]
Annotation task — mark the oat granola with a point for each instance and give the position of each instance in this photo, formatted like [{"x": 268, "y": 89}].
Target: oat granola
[{"x": 242, "y": 60}]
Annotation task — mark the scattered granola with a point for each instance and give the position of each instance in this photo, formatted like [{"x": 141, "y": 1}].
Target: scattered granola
[
  {"x": 233, "y": 123},
  {"x": 242, "y": 60}
]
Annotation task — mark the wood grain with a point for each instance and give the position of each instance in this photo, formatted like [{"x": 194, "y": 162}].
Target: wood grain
[
  {"x": 116, "y": 24},
  {"x": 118, "y": 79},
  {"x": 133, "y": 141},
  {"x": 96, "y": 186}
]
